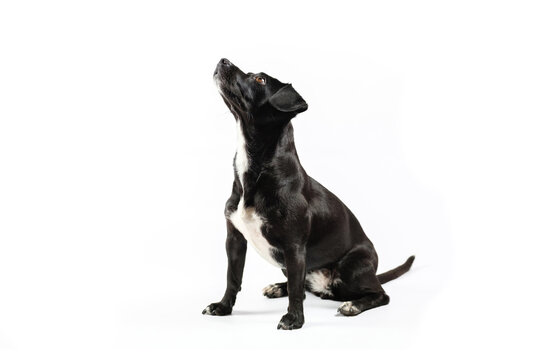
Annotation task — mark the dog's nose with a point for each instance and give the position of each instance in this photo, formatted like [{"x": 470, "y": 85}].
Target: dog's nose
[{"x": 225, "y": 62}]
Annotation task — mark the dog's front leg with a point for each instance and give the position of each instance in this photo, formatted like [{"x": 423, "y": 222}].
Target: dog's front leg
[
  {"x": 236, "y": 251},
  {"x": 295, "y": 265}
]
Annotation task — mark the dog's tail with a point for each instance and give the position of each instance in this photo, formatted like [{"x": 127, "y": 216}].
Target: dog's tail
[{"x": 396, "y": 272}]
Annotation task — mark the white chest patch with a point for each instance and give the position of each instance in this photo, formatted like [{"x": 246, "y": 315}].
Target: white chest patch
[
  {"x": 246, "y": 220},
  {"x": 249, "y": 223}
]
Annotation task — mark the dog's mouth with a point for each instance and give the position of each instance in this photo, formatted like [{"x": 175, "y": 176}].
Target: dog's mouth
[
  {"x": 224, "y": 71},
  {"x": 219, "y": 83},
  {"x": 225, "y": 78}
]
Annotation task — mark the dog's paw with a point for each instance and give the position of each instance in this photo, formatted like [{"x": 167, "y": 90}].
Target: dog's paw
[
  {"x": 275, "y": 290},
  {"x": 218, "y": 309},
  {"x": 348, "y": 308},
  {"x": 291, "y": 321}
]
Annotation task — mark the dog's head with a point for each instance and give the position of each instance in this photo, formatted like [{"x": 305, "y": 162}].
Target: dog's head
[{"x": 257, "y": 96}]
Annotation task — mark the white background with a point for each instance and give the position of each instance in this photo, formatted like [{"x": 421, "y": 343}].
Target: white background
[{"x": 115, "y": 164}]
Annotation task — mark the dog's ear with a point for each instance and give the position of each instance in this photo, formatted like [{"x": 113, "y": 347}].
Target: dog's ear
[{"x": 287, "y": 99}]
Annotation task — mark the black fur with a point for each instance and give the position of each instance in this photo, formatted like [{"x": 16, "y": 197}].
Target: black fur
[{"x": 310, "y": 229}]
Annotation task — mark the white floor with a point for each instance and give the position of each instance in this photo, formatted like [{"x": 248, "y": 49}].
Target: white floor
[{"x": 254, "y": 320}]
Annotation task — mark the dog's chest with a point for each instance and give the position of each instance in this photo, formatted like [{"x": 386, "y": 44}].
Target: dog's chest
[
  {"x": 246, "y": 219},
  {"x": 249, "y": 223}
]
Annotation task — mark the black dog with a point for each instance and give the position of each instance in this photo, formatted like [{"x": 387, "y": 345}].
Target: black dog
[{"x": 289, "y": 218}]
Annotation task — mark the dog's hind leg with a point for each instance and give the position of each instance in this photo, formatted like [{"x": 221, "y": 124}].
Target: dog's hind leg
[
  {"x": 359, "y": 284},
  {"x": 357, "y": 306}
]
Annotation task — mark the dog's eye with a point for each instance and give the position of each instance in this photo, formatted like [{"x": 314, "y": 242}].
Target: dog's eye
[{"x": 260, "y": 80}]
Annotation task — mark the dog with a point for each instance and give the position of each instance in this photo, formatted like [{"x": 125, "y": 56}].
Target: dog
[{"x": 292, "y": 221}]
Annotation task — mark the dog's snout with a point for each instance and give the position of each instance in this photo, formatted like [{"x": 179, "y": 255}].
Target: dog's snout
[
  {"x": 225, "y": 69},
  {"x": 225, "y": 62}
]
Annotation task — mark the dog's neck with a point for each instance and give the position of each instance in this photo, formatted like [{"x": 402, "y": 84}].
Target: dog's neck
[{"x": 258, "y": 147}]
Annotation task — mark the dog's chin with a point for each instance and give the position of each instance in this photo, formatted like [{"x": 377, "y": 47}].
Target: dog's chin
[
  {"x": 223, "y": 92},
  {"x": 218, "y": 83}
]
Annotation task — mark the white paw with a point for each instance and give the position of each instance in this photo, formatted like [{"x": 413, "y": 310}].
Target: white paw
[
  {"x": 348, "y": 309},
  {"x": 273, "y": 291}
]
